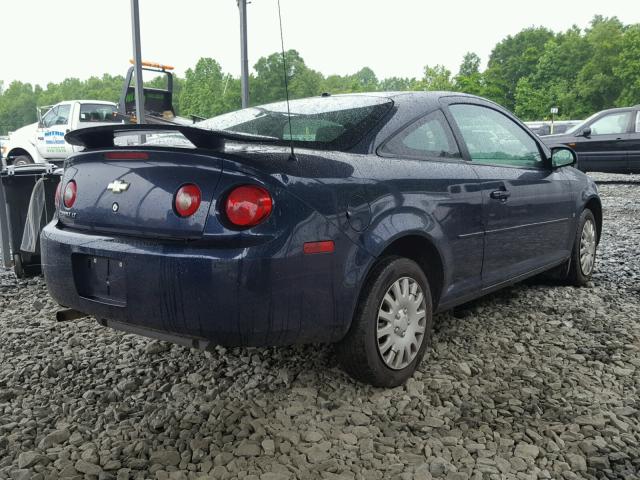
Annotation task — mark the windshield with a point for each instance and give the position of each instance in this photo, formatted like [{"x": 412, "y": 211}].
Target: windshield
[
  {"x": 581, "y": 125},
  {"x": 321, "y": 122}
]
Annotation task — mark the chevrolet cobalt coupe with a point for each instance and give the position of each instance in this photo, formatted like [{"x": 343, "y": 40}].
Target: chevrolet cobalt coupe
[{"x": 351, "y": 220}]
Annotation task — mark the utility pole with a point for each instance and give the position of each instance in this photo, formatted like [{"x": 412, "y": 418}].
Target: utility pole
[
  {"x": 137, "y": 61},
  {"x": 244, "y": 55},
  {"x": 554, "y": 111}
]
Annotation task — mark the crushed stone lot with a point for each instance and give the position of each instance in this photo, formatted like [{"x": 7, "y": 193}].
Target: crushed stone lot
[{"x": 536, "y": 381}]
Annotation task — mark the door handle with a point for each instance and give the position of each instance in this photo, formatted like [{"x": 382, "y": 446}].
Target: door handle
[{"x": 500, "y": 195}]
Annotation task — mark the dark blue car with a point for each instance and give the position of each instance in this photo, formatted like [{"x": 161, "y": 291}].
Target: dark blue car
[{"x": 352, "y": 224}]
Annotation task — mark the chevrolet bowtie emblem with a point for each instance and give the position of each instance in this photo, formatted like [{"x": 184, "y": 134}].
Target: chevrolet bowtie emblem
[{"x": 117, "y": 186}]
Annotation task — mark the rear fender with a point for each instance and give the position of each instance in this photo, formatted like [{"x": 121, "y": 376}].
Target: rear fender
[{"x": 383, "y": 232}]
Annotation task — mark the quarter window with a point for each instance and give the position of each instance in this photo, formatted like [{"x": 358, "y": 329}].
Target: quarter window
[
  {"x": 493, "y": 138},
  {"x": 611, "y": 124},
  {"x": 638, "y": 122},
  {"x": 428, "y": 137}
]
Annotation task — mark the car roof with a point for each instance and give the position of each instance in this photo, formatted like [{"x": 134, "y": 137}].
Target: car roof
[
  {"x": 431, "y": 94},
  {"x": 620, "y": 109}
]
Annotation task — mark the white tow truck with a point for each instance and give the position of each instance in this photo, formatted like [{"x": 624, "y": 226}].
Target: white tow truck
[{"x": 43, "y": 141}]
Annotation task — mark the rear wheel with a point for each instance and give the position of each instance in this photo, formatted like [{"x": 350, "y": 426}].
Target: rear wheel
[
  {"x": 18, "y": 267},
  {"x": 583, "y": 256},
  {"x": 392, "y": 327},
  {"x": 23, "y": 160}
]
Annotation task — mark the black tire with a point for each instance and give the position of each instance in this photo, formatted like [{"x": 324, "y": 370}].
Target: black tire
[
  {"x": 23, "y": 160},
  {"x": 576, "y": 276},
  {"x": 18, "y": 267},
  {"x": 358, "y": 352}
]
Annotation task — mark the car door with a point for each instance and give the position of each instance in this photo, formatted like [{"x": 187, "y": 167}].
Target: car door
[
  {"x": 429, "y": 170},
  {"x": 605, "y": 145},
  {"x": 527, "y": 205},
  {"x": 50, "y": 135},
  {"x": 633, "y": 148}
]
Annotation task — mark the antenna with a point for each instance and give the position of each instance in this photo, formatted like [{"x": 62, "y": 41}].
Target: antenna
[{"x": 292, "y": 156}]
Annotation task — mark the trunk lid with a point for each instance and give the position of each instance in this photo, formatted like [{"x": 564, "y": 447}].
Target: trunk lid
[{"x": 135, "y": 196}]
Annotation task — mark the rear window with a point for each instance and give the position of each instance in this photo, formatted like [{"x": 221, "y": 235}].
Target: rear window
[
  {"x": 321, "y": 122},
  {"x": 98, "y": 113}
]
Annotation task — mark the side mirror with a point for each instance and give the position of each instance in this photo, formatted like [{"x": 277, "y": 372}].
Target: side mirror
[
  {"x": 586, "y": 132},
  {"x": 562, "y": 157}
]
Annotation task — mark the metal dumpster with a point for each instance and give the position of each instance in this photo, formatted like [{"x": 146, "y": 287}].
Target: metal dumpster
[{"x": 28, "y": 207}]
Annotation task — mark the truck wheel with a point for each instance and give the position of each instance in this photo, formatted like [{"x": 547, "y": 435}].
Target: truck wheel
[
  {"x": 18, "y": 268},
  {"x": 23, "y": 160},
  {"x": 392, "y": 326}
]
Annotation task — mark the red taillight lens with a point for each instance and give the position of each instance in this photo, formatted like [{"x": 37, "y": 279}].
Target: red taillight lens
[
  {"x": 248, "y": 205},
  {"x": 56, "y": 199},
  {"x": 70, "y": 194},
  {"x": 187, "y": 200},
  {"x": 126, "y": 156}
]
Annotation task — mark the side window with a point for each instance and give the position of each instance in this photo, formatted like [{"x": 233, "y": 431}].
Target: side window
[
  {"x": 637, "y": 122},
  {"x": 49, "y": 118},
  {"x": 611, "y": 124},
  {"x": 63, "y": 115},
  {"x": 495, "y": 139},
  {"x": 428, "y": 137}
]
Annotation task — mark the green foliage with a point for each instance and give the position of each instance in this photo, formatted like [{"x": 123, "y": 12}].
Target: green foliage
[
  {"x": 268, "y": 83},
  {"x": 436, "y": 78},
  {"x": 469, "y": 79},
  {"x": 628, "y": 67},
  {"x": 207, "y": 91},
  {"x": 580, "y": 72},
  {"x": 597, "y": 84},
  {"x": 511, "y": 59}
]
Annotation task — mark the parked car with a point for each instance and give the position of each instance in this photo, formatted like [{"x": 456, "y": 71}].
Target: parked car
[
  {"x": 548, "y": 128},
  {"x": 608, "y": 141},
  {"x": 353, "y": 223}
]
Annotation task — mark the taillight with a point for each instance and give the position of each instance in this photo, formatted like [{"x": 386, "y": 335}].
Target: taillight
[
  {"x": 248, "y": 205},
  {"x": 70, "y": 194},
  {"x": 56, "y": 199},
  {"x": 126, "y": 156},
  {"x": 187, "y": 200}
]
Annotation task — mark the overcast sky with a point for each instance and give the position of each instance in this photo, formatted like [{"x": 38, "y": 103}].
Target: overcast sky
[{"x": 44, "y": 41}]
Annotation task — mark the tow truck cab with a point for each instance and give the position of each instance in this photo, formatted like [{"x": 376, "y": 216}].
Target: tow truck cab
[{"x": 44, "y": 141}]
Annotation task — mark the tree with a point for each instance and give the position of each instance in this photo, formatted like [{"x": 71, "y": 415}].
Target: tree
[
  {"x": 597, "y": 85},
  {"x": 513, "y": 58},
  {"x": 397, "y": 84},
  {"x": 17, "y": 106},
  {"x": 436, "y": 78},
  {"x": 469, "y": 78},
  {"x": 364, "y": 80},
  {"x": 628, "y": 67},
  {"x": 206, "y": 91},
  {"x": 268, "y": 83}
]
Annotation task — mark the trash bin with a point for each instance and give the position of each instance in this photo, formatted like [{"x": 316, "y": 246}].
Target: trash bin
[{"x": 18, "y": 184}]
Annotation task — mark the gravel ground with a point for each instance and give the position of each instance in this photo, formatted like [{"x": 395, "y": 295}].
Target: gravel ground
[{"x": 537, "y": 381}]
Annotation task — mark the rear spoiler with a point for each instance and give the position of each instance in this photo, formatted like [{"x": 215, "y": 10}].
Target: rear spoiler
[{"x": 102, "y": 137}]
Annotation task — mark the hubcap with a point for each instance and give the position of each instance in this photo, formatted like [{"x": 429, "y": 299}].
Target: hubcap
[
  {"x": 587, "y": 247},
  {"x": 402, "y": 322}
]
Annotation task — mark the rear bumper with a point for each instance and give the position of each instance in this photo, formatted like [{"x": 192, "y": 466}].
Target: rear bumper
[{"x": 258, "y": 296}]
